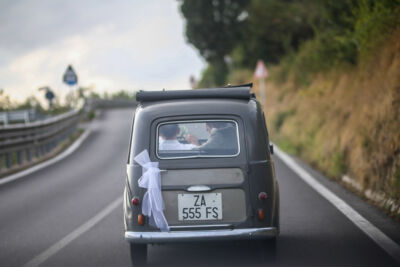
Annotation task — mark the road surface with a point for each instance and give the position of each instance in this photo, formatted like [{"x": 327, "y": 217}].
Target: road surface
[{"x": 61, "y": 216}]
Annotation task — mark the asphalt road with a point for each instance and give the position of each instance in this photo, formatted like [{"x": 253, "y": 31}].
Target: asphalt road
[{"x": 44, "y": 208}]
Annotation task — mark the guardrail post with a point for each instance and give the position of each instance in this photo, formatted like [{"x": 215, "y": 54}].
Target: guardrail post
[
  {"x": 6, "y": 118},
  {"x": 28, "y": 154},
  {"x": 37, "y": 152},
  {"x": 19, "y": 157},
  {"x": 26, "y": 116},
  {"x": 8, "y": 160}
]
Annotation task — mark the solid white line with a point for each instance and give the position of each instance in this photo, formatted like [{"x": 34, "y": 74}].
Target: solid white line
[
  {"x": 49, "y": 162},
  {"x": 391, "y": 247},
  {"x": 42, "y": 257}
]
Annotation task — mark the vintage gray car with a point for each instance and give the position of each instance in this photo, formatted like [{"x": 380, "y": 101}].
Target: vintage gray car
[{"x": 199, "y": 169}]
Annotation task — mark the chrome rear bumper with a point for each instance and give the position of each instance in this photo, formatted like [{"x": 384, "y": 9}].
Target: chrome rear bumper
[{"x": 201, "y": 235}]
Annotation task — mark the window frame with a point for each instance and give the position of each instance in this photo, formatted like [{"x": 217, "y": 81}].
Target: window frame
[{"x": 198, "y": 156}]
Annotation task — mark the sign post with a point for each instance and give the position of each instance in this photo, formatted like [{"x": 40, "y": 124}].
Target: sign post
[
  {"x": 71, "y": 79},
  {"x": 261, "y": 73},
  {"x": 49, "y": 95}
]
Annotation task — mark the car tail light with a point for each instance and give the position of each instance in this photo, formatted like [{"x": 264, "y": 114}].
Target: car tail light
[
  {"x": 140, "y": 219},
  {"x": 262, "y": 196},
  {"x": 135, "y": 201},
  {"x": 261, "y": 214}
]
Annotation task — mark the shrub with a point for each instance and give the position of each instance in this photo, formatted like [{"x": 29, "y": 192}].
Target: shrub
[
  {"x": 374, "y": 21},
  {"x": 281, "y": 117}
]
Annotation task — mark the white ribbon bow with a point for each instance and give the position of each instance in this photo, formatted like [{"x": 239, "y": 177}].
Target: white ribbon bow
[{"x": 152, "y": 204}]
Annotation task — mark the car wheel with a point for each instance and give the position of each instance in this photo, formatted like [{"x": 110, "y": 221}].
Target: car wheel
[
  {"x": 267, "y": 250},
  {"x": 276, "y": 222},
  {"x": 138, "y": 254}
]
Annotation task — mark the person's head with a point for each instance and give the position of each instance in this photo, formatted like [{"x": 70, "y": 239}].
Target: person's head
[
  {"x": 216, "y": 125},
  {"x": 169, "y": 131}
]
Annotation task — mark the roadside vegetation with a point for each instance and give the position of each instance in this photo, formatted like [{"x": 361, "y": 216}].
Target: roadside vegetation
[
  {"x": 333, "y": 94},
  {"x": 121, "y": 94},
  {"x": 73, "y": 100},
  {"x": 31, "y": 102}
]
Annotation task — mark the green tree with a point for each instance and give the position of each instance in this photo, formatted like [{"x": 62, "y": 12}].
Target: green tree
[
  {"x": 30, "y": 102},
  {"x": 123, "y": 94},
  {"x": 214, "y": 28},
  {"x": 5, "y": 102},
  {"x": 275, "y": 28}
]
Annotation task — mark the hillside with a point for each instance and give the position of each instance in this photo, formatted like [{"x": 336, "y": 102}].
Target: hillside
[{"x": 346, "y": 122}]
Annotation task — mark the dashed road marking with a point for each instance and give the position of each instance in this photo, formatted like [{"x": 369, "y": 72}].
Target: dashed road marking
[{"x": 42, "y": 257}]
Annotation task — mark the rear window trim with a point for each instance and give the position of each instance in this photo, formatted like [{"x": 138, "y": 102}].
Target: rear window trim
[{"x": 199, "y": 156}]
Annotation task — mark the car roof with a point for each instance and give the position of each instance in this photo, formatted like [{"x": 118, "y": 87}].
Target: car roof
[
  {"x": 196, "y": 107},
  {"x": 229, "y": 92}
]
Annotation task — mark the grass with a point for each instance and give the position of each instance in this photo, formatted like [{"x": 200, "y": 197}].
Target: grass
[
  {"x": 281, "y": 117},
  {"x": 287, "y": 146},
  {"x": 338, "y": 166}
]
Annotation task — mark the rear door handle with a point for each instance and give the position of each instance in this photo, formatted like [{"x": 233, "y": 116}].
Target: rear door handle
[{"x": 198, "y": 188}]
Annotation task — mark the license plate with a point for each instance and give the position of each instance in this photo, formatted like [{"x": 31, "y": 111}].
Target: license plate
[{"x": 192, "y": 207}]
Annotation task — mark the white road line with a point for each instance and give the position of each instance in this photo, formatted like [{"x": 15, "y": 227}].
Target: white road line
[
  {"x": 42, "y": 257},
  {"x": 49, "y": 162},
  {"x": 391, "y": 247}
]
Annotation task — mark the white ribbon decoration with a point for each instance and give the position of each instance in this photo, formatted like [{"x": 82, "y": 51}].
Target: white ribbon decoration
[{"x": 152, "y": 204}]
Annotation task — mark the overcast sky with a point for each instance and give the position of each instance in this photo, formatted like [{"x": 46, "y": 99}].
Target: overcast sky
[{"x": 112, "y": 45}]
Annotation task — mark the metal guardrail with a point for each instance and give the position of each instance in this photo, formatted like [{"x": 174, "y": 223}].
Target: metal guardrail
[
  {"x": 21, "y": 143},
  {"x": 17, "y": 115}
]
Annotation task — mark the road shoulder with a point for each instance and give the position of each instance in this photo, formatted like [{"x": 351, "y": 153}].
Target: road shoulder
[{"x": 383, "y": 230}]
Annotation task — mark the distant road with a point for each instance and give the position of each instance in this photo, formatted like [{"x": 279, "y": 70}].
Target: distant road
[{"x": 69, "y": 214}]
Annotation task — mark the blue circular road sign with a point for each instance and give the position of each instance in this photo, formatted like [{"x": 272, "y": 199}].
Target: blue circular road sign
[{"x": 70, "y": 76}]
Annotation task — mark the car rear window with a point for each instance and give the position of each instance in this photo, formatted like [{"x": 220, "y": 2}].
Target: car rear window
[{"x": 192, "y": 139}]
